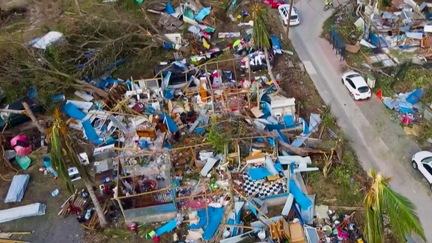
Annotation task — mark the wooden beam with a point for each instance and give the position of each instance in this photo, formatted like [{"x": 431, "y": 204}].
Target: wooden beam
[{"x": 12, "y": 111}]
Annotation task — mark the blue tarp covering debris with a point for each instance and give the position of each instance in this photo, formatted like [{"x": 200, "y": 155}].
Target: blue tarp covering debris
[
  {"x": 73, "y": 111},
  {"x": 166, "y": 227},
  {"x": 299, "y": 197},
  {"x": 215, "y": 218}
]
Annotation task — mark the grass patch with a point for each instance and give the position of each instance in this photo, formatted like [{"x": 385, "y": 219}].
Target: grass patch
[{"x": 342, "y": 186}]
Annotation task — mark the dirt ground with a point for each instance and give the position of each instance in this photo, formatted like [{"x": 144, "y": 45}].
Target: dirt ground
[{"x": 49, "y": 227}]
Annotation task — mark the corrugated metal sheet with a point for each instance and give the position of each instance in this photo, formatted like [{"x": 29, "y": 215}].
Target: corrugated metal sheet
[
  {"x": 17, "y": 188},
  {"x": 35, "y": 209}
]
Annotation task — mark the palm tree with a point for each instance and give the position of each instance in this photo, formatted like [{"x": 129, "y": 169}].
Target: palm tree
[
  {"x": 261, "y": 36},
  {"x": 61, "y": 142},
  {"x": 380, "y": 200}
]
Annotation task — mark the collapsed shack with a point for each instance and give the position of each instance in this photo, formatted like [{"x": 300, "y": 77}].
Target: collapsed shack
[{"x": 198, "y": 145}]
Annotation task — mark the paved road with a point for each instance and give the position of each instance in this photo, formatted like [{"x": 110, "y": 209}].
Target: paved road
[{"x": 379, "y": 142}]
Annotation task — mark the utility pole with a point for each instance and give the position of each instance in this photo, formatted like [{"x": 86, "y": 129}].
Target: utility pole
[{"x": 289, "y": 19}]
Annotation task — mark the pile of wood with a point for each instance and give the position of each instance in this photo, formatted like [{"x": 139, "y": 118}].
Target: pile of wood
[
  {"x": 74, "y": 201},
  {"x": 94, "y": 220}
]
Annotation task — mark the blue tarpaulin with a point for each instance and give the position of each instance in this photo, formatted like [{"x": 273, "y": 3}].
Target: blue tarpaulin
[
  {"x": 300, "y": 198},
  {"x": 215, "y": 218},
  {"x": 261, "y": 173},
  {"x": 289, "y": 121},
  {"x": 73, "y": 111},
  {"x": 214, "y": 222},
  {"x": 89, "y": 131},
  {"x": 166, "y": 227},
  {"x": 169, "y": 8},
  {"x": 275, "y": 43},
  {"x": 258, "y": 173},
  {"x": 169, "y": 94},
  {"x": 202, "y": 13},
  {"x": 202, "y": 215},
  {"x": 415, "y": 96},
  {"x": 169, "y": 122},
  {"x": 282, "y": 136}
]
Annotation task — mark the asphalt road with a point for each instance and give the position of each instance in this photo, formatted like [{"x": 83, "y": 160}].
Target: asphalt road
[{"x": 379, "y": 142}]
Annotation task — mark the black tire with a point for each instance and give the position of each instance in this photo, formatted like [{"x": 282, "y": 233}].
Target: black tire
[
  {"x": 325, "y": 8},
  {"x": 414, "y": 165},
  {"x": 352, "y": 96},
  {"x": 342, "y": 81},
  {"x": 430, "y": 186}
]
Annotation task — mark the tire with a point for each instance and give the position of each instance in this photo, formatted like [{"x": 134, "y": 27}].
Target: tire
[
  {"x": 430, "y": 186},
  {"x": 325, "y": 8},
  {"x": 414, "y": 165},
  {"x": 352, "y": 96},
  {"x": 342, "y": 81}
]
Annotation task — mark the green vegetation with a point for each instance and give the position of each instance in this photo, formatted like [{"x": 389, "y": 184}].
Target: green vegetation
[{"x": 381, "y": 201}]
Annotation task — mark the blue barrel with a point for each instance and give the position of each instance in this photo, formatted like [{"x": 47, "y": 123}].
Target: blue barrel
[{"x": 47, "y": 161}]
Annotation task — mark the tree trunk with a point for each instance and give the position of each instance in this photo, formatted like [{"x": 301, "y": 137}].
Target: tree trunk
[
  {"x": 102, "y": 93},
  {"x": 269, "y": 67},
  {"x": 270, "y": 73},
  {"x": 30, "y": 114},
  {"x": 12, "y": 111},
  {"x": 302, "y": 151},
  {"x": 98, "y": 208}
]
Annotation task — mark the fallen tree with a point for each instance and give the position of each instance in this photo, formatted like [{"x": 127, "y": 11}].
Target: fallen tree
[{"x": 93, "y": 45}]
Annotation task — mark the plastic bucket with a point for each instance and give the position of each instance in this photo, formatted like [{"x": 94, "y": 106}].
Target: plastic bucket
[{"x": 47, "y": 161}]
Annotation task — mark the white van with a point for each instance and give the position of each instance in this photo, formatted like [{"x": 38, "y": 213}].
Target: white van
[{"x": 284, "y": 12}]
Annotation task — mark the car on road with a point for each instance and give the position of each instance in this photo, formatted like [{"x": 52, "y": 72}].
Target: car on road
[
  {"x": 284, "y": 12},
  {"x": 356, "y": 85},
  {"x": 422, "y": 161}
]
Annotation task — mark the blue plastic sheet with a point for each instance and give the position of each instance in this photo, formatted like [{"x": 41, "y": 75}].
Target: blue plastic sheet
[
  {"x": 254, "y": 211},
  {"x": 214, "y": 222},
  {"x": 89, "y": 131},
  {"x": 202, "y": 13},
  {"x": 415, "y": 96},
  {"x": 166, "y": 227},
  {"x": 289, "y": 121},
  {"x": 202, "y": 214},
  {"x": 169, "y": 94},
  {"x": 299, "y": 197},
  {"x": 73, "y": 111},
  {"x": 258, "y": 173},
  {"x": 282, "y": 136},
  {"x": 169, "y": 8},
  {"x": 169, "y": 122}
]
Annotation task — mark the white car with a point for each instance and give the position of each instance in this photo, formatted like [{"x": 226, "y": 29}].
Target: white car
[
  {"x": 284, "y": 12},
  {"x": 356, "y": 85},
  {"x": 422, "y": 161}
]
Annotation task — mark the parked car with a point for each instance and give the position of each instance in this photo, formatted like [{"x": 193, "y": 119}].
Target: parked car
[
  {"x": 284, "y": 12},
  {"x": 274, "y": 3},
  {"x": 422, "y": 161},
  {"x": 12, "y": 120},
  {"x": 356, "y": 85}
]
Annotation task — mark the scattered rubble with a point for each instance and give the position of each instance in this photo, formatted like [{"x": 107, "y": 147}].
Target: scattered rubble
[{"x": 199, "y": 144}]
